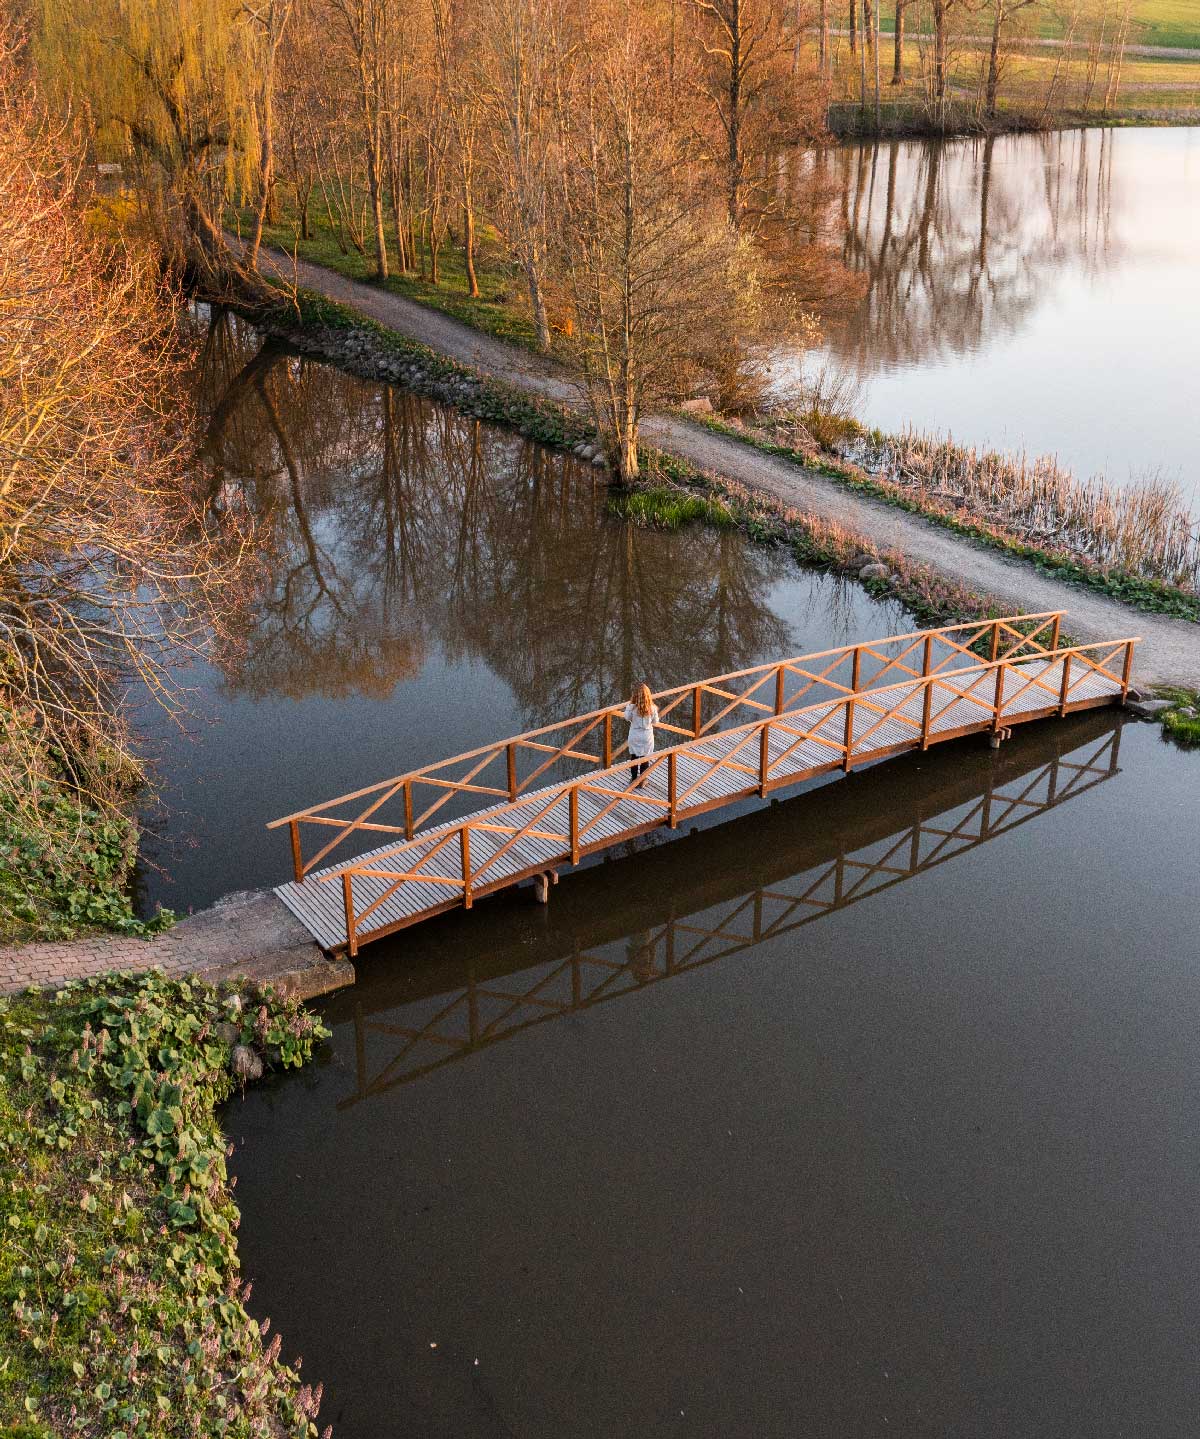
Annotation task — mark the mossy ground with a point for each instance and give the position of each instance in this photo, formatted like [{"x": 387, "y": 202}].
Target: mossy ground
[
  {"x": 1182, "y": 720},
  {"x": 121, "y": 1306}
]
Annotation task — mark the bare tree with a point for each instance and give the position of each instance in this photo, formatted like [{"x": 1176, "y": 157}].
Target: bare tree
[
  {"x": 110, "y": 568},
  {"x": 271, "y": 19},
  {"x": 525, "y": 47},
  {"x": 655, "y": 279}
]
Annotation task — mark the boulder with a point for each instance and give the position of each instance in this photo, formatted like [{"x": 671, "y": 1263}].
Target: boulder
[
  {"x": 701, "y": 405},
  {"x": 874, "y": 571}
]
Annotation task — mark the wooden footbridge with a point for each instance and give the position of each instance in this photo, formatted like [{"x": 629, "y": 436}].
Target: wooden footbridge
[
  {"x": 714, "y": 896},
  {"x": 739, "y": 735}
]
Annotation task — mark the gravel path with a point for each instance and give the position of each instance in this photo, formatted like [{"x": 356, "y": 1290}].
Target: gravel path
[{"x": 1170, "y": 652}]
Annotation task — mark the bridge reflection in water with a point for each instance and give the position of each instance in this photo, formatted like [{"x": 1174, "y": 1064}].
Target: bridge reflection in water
[{"x": 718, "y": 893}]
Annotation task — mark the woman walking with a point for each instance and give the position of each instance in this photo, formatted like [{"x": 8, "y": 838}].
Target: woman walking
[{"x": 642, "y": 716}]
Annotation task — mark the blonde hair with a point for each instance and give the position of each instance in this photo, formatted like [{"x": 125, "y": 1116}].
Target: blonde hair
[{"x": 642, "y": 700}]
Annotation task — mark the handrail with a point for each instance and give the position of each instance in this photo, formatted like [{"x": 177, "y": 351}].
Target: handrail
[
  {"x": 1003, "y": 637},
  {"x": 843, "y": 754}
]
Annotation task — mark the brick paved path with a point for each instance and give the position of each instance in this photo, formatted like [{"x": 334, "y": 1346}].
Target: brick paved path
[{"x": 249, "y": 933}]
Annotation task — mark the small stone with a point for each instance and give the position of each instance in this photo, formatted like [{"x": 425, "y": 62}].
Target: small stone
[
  {"x": 227, "y": 1033},
  {"x": 1148, "y": 709},
  {"x": 874, "y": 571},
  {"x": 246, "y": 1064},
  {"x": 600, "y": 462}
]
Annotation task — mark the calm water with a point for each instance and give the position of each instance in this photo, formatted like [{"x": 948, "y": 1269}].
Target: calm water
[
  {"x": 1037, "y": 292},
  {"x": 876, "y": 1112},
  {"x": 433, "y": 583}
]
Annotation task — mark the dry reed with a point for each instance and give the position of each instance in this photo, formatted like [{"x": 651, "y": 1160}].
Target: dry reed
[{"x": 1146, "y": 529}]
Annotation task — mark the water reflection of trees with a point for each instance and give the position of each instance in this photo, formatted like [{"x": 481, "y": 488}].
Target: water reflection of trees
[
  {"x": 956, "y": 238},
  {"x": 396, "y": 525}
]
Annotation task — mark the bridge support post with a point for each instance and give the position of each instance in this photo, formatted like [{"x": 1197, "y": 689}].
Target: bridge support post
[
  {"x": 348, "y": 905},
  {"x": 465, "y": 845},
  {"x": 573, "y": 826},
  {"x": 847, "y": 761},
  {"x": 542, "y": 883},
  {"x": 671, "y": 818},
  {"x": 1066, "y": 687}
]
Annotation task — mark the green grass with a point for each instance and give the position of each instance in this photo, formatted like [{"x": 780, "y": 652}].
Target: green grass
[
  {"x": 65, "y": 867},
  {"x": 499, "y": 310},
  {"x": 1182, "y": 720},
  {"x": 121, "y": 1306},
  {"x": 668, "y": 509},
  {"x": 1156, "y": 22}
]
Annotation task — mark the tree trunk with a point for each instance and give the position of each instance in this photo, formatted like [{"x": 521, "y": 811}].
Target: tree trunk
[
  {"x": 898, "y": 46},
  {"x": 537, "y": 303},
  {"x": 993, "y": 72},
  {"x": 824, "y": 51},
  {"x": 735, "y": 120},
  {"x": 853, "y": 27},
  {"x": 469, "y": 239},
  {"x": 266, "y": 172},
  {"x": 375, "y": 185},
  {"x": 939, "y": 52}
]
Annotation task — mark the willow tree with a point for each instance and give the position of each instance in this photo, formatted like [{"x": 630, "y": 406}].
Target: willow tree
[{"x": 180, "y": 82}]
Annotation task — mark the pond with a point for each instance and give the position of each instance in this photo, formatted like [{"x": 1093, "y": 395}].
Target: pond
[
  {"x": 1027, "y": 292},
  {"x": 431, "y": 584},
  {"x": 874, "y": 1112}
]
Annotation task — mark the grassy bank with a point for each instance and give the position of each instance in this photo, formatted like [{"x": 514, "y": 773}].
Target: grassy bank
[
  {"x": 65, "y": 866},
  {"x": 122, "y": 1310},
  {"x": 498, "y": 310}
]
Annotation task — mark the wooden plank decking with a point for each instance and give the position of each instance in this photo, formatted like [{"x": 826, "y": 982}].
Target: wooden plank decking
[{"x": 400, "y": 884}]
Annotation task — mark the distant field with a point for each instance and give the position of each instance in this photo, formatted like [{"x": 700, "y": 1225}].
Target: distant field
[
  {"x": 1151, "y": 88},
  {"x": 1156, "y": 22}
]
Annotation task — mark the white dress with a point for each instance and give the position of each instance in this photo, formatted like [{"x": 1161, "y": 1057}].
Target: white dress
[{"x": 641, "y": 730}]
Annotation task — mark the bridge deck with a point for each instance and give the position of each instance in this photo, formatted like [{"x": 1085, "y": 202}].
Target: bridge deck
[{"x": 400, "y": 884}]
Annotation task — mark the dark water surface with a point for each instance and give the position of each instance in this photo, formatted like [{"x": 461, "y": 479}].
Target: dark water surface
[
  {"x": 876, "y": 1111},
  {"x": 1028, "y": 292},
  {"x": 433, "y": 584}
]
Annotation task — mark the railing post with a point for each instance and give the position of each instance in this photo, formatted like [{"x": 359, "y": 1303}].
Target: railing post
[
  {"x": 764, "y": 756},
  {"x": 998, "y": 697},
  {"x": 573, "y": 808},
  {"x": 849, "y": 737},
  {"x": 1066, "y": 686},
  {"x": 926, "y": 710},
  {"x": 995, "y": 649},
  {"x": 855, "y": 667},
  {"x": 1054, "y": 633},
  {"x": 696, "y": 711},
  {"x": 512, "y": 770},
  {"x": 408, "y": 824},
  {"x": 927, "y": 656},
  {"x": 348, "y": 905},
  {"x": 608, "y": 740},
  {"x": 671, "y": 757},
  {"x": 779, "y": 690},
  {"x": 1127, "y": 671},
  {"x": 297, "y": 862},
  {"x": 465, "y": 846}
]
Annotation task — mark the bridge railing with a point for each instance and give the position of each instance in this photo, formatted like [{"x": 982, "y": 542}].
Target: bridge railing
[
  {"x": 510, "y": 767},
  {"x": 835, "y": 728}
]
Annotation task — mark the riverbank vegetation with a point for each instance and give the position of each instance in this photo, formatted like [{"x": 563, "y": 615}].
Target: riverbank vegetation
[
  {"x": 123, "y": 1312},
  {"x": 1140, "y": 545},
  {"x": 111, "y": 571}
]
